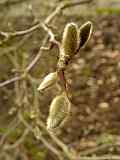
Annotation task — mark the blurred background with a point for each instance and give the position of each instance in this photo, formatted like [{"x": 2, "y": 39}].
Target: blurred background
[{"x": 93, "y": 75}]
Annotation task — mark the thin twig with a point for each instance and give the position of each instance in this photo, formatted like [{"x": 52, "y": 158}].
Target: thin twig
[
  {"x": 8, "y": 35},
  {"x": 58, "y": 9},
  {"x": 37, "y": 57},
  {"x": 51, "y": 34},
  {"x": 62, "y": 6},
  {"x": 47, "y": 144},
  {"x": 75, "y": 3},
  {"x": 8, "y": 3},
  {"x": 98, "y": 148},
  {"x": 18, "y": 78},
  {"x": 18, "y": 142},
  {"x": 106, "y": 157},
  {"x": 10, "y": 129},
  {"x": 57, "y": 141}
]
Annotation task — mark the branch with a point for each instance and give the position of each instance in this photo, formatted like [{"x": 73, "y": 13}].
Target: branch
[
  {"x": 8, "y": 35},
  {"x": 99, "y": 148},
  {"x": 63, "y": 146},
  {"x": 18, "y": 142},
  {"x": 59, "y": 8},
  {"x": 13, "y": 125},
  {"x": 18, "y": 78},
  {"x": 63, "y": 6},
  {"x": 57, "y": 141},
  {"x": 106, "y": 157},
  {"x": 41, "y": 138},
  {"x": 51, "y": 34},
  {"x": 9, "y": 3},
  {"x": 37, "y": 57},
  {"x": 75, "y": 3},
  {"x": 52, "y": 40},
  {"x": 49, "y": 19}
]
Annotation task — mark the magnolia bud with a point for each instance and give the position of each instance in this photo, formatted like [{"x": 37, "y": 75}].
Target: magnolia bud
[
  {"x": 70, "y": 40},
  {"x": 49, "y": 80},
  {"x": 85, "y": 33},
  {"x": 59, "y": 111}
]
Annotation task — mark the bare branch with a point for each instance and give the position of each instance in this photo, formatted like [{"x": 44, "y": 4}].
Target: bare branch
[
  {"x": 18, "y": 78},
  {"x": 10, "y": 3},
  {"x": 106, "y": 157},
  {"x": 18, "y": 142},
  {"x": 59, "y": 8},
  {"x": 99, "y": 148},
  {"x": 52, "y": 40},
  {"x": 47, "y": 144},
  {"x": 10, "y": 129},
  {"x": 8, "y": 35},
  {"x": 75, "y": 3},
  {"x": 57, "y": 141},
  {"x": 37, "y": 57},
  {"x": 67, "y": 152},
  {"x": 51, "y": 34},
  {"x": 49, "y": 19},
  {"x": 63, "y": 6}
]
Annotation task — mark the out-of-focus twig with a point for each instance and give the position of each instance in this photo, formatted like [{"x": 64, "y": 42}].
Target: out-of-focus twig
[
  {"x": 99, "y": 148},
  {"x": 10, "y": 129},
  {"x": 48, "y": 20},
  {"x": 8, "y": 35},
  {"x": 57, "y": 141},
  {"x": 7, "y": 3},
  {"x": 18, "y": 142},
  {"x": 17, "y": 78},
  {"x": 63, "y": 146},
  {"x": 63, "y": 6},
  {"x": 41, "y": 138},
  {"x": 106, "y": 157}
]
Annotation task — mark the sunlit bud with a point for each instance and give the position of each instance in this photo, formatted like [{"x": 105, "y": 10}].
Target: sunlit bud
[
  {"x": 48, "y": 81},
  {"x": 59, "y": 112},
  {"x": 85, "y": 33},
  {"x": 70, "y": 39}
]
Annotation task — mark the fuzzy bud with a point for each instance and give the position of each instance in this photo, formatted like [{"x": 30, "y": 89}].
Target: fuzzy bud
[
  {"x": 70, "y": 40},
  {"x": 85, "y": 33},
  {"x": 48, "y": 81},
  {"x": 59, "y": 111}
]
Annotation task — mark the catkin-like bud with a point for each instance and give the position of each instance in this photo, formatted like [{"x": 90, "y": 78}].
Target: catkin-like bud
[
  {"x": 48, "y": 81},
  {"x": 70, "y": 41},
  {"x": 58, "y": 113},
  {"x": 85, "y": 32}
]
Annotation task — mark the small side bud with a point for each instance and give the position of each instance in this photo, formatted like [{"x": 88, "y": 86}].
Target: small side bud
[
  {"x": 59, "y": 112},
  {"x": 48, "y": 81},
  {"x": 70, "y": 39},
  {"x": 85, "y": 33}
]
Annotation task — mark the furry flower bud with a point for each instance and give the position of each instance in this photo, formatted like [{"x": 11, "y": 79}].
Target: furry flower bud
[
  {"x": 85, "y": 33},
  {"x": 59, "y": 111},
  {"x": 70, "y": 40},
  {"x": 49, "y": 80}
]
